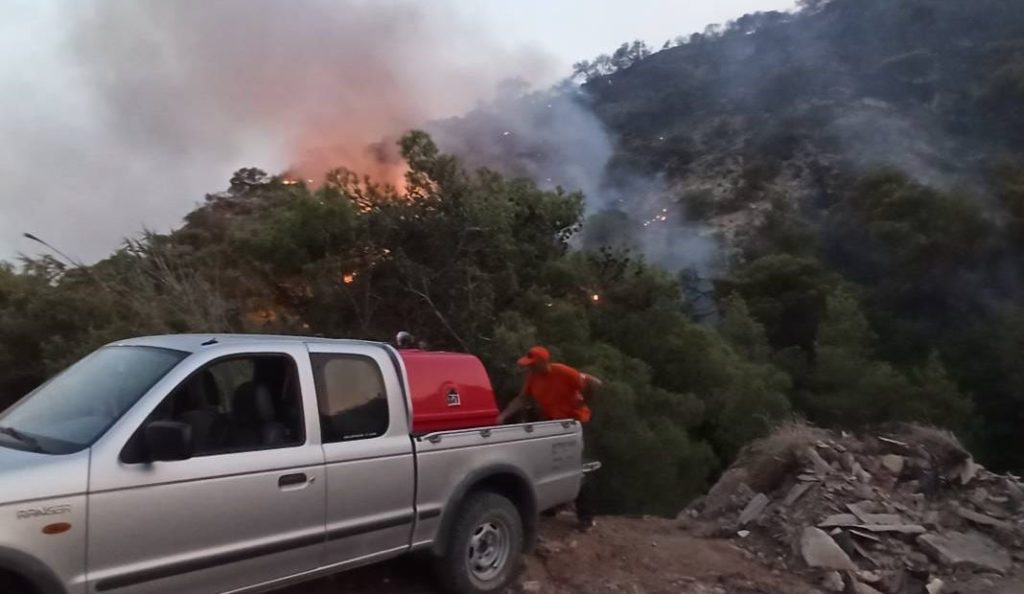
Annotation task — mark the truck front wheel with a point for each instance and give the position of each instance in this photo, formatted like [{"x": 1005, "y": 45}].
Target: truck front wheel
[
  {"x": 12, "y": 584},
  {"x": 485, "y": 546}
]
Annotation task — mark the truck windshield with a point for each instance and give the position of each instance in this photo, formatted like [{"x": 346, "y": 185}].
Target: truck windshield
[{"x": 72, "y": 410}]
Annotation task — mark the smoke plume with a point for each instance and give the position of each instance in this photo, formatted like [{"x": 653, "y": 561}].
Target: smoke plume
[
  {"x": 145, "y": 105},
  {"x": 554, "y": 138}
]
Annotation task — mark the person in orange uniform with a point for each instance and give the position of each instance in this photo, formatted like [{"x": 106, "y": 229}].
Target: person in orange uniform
[{"x": 561, "y": 392}]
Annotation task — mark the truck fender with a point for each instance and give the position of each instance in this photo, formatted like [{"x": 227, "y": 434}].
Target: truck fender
[
  {"x": 31, "y": 569},
  {"x": 503, "y": 479}
]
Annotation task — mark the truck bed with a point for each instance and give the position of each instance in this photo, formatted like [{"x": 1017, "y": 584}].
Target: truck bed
[{"x": 548, "y": 455}]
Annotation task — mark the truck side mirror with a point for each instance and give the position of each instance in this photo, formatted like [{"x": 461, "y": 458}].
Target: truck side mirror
[{"x": 168, "y": 441}]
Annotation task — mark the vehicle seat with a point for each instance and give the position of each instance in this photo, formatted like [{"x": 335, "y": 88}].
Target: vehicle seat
[
  {"x": 254, "y": 422},
  {"x": 201, "y": 413}
]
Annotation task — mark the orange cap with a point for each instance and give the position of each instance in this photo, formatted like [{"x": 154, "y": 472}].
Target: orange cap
[{"x": 535, "y": 355}]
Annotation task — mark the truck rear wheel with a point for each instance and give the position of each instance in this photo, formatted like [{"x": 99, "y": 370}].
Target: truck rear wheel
[{"x": 485, "y": 547}]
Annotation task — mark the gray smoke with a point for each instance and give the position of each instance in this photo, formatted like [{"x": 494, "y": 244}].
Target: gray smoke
[
  {"x": 151, "y": 104},
  {"x": 869, "y": 132},
  {"x": 134, "y": 109},
  {"x": 873, "y": 134},
  {"x": 555, "y": 139},
  {"x": 550, "y": 136}
]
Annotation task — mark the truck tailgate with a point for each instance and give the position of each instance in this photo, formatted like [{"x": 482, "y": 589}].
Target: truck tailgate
[{"x": 548, "y": 455}]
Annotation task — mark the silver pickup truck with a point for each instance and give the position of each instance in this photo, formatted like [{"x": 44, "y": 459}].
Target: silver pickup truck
[{"x": 246, "y": 463}]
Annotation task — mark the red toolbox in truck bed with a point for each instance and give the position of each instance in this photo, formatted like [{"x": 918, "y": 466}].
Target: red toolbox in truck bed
[{"x": 448, "y": 391}]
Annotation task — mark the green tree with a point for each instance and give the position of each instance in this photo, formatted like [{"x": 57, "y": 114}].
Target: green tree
[
  {"x": 743, "y": 333},
  {"x": 786, "y": 294},
  {"x": 937, "y": 398},
  {"x": 610, "y": 229},
  {"x": 917, "y": 250},
  {"x": 850, "y": 387},
  {"x": 987, "y": 357}
]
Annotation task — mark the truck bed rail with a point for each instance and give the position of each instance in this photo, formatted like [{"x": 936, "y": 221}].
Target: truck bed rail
[{"x": 501, "y": 432}]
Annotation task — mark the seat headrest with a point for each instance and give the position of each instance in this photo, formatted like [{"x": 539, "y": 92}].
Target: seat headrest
[
  {"x": 199, "y": 392},
  {"x": 211, "y": 391},
  {"x": 254, "y": 402}
]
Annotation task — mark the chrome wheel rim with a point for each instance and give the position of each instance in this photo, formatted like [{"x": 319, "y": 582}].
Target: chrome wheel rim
[{"x": 489, "y": 549}]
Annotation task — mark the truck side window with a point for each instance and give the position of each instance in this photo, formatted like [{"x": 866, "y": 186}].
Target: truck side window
[
  {"x": 350, "y": 392},
  {"x": 234, "y": 405}
]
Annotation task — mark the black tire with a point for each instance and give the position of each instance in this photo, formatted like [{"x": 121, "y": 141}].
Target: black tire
[
  {"x": 12, "y": 584},
  {"x": 470, "y": 565}
]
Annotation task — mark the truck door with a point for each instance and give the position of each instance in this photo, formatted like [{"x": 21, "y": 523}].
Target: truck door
[
  {"x": 247, "y": 508},
  {"x": 368, "y": 453}
]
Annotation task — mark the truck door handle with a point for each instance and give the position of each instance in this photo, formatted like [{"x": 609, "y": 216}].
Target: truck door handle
[{"x": 290, "y": 480}]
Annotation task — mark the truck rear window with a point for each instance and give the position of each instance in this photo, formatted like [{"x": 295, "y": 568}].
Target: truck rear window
[{"x": 351, "y": 396}]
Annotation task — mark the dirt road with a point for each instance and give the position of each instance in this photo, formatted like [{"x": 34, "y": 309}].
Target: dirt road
[{"x": 620, "y": 556}]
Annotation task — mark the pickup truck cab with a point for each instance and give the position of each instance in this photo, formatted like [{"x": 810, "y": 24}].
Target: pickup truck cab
[{"x": 222, "y": 463}]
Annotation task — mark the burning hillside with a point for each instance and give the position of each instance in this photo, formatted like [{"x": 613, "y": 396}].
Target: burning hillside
[{"x": 187, "y": 92}]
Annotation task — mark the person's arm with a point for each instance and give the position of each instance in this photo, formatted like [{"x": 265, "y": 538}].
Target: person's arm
[
  {"x": 517, "y": 404},
  {"x": 590, "y": 386}
]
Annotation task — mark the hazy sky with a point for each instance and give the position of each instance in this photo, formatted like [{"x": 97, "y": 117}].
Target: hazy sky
[
  {"x": 118, "y": 115},
  {"x": 576, "y": 29}
]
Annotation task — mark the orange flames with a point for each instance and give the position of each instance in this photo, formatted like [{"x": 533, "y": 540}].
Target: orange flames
[{"x": 315, "y": 164}]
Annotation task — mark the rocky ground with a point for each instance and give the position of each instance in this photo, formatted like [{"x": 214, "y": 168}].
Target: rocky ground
[
  {"x": 905, "y": 511},
  {"x": 620, "y": 556}
]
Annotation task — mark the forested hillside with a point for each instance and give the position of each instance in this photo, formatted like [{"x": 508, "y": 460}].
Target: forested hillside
[
  {"x": 930, "y": 86},
  {"x": 469, "y": 261},
  {"x": 860, "y": 162},
  {"x": 869, "y": 144},
  {"x": 867, "y": 147}
]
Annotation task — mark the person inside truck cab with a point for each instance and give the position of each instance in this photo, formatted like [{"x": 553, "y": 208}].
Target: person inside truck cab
[{"x": 561, "y": 392}]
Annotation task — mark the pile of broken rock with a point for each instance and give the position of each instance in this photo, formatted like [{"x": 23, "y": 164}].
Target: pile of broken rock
[{"x": 904, "y": 511}]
